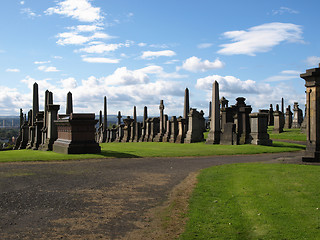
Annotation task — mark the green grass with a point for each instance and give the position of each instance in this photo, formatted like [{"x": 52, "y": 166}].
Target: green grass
[
  {"x": 255, "y": 201},
  {"x": 288, "y": 134},
  {"x": 150, "y": 149}
]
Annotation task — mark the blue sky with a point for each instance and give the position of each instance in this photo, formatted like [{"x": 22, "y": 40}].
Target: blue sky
[{"x": 137, "y": 52}]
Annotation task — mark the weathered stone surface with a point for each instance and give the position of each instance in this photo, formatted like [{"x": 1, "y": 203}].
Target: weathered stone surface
[
  {"x": 127, "y": 129},
  {"x": 297, "y": 116},
  {"x": 259, "y": 127},
  {"x": 312, "y": 83},
  {"x": 69, "y": 106},
  {"x": 270, "y": 116},
  {"x": 215, "y": 130},
  {"x": 288, "y": 118},
  {"x": 159, "y": 136},
  {"x": 181, "y": 131},
  {"x": 51, "y": 134},
  {"x": 154, "y": 128},
  {"x": 196, "y": 127},
  {"x": 278, "y": 128},
  {"x": 174, "y": 129},
  {"x": 242, "y": 121},
  {"x": 76, "y": 134},
  {"x": 229, "y": 135}
]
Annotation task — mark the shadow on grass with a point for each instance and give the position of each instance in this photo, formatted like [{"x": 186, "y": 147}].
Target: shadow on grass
[
  {"x": 296, "y": 146},
  {"x": 108, "y": 153}
]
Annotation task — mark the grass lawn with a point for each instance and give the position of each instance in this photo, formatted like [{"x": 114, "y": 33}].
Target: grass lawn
[
  {"x": 150, "y": 149},
  {"x": 288, "y": 134},
  {"x": 255, "y": 201}
]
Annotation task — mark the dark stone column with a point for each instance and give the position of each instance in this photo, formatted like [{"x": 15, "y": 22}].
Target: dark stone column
[
  {"x": 159, "y": 136},
  {"x": 277, "y": 121},
  {"x": 69, "y": 107}
]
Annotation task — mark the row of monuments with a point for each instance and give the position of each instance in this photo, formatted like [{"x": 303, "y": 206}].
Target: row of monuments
[{"x": 77, "y": 132}]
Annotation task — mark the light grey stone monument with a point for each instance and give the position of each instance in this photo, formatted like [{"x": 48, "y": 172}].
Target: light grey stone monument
[
  {"x": 277, "y": 121},
  {"x": 288, "y": 118},
  {"x": 159, "y": 136},
  {"x": 174, "y": 129},
  {"x": 196, "y": 127},
  {"x": 259, "y": 127},
  {"x": 215, "y": 130},
  {"x": 297, "y": 116},
  {"x": 181, "y": 131}
]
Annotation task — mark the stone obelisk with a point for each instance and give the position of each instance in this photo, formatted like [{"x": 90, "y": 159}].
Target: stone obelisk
[
  {"x": 105, "y": 122},
  {"x": 69, "y": 107},
  {"x": 214, "y": 133},
  {"x": 35, "y": 105}
]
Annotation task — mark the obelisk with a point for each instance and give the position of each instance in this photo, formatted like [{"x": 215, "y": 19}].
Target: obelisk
[
  {"x": 215, "y": 130},
  {"x": 69, "y": 107}
]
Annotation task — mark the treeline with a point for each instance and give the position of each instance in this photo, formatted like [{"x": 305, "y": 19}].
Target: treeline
[{"x": 8, "y": 133}]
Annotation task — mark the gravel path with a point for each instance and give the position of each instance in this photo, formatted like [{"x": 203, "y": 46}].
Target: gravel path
[{"x": 92, "y": 199}]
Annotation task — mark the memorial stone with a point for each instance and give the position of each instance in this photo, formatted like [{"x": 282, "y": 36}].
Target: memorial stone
[
  {"x": 196, "y": 127},
  {"x": 277, "y": 121},
  {"x": 288, "y": 118},
  {"x": 297, "y": 116},
  {"x": 259, "y": 127}
]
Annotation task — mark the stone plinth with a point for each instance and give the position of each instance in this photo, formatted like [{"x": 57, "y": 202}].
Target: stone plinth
[
  {"x": 288, "y": 118},
  {"x": 154, "y": 128},
  {"x": 38, "y": 126},
  {"x": 270, "y": 116},
  {"x": 229, "y": 135},
  {"x": 259, "y": 126},
  {"x": 297, "y": 116},
  {"x": 127, "y": 129},
  {"x": 181, "y": 130},
  {"x": 312, "y": 78},
  {"x": 277, "y": 121},
  {"x": 51, "y": 131},
  {"x": 76, "y": 134},
  {"x": 174, "y": 129}
]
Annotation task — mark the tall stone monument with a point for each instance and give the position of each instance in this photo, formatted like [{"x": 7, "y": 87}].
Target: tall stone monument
[
  {"x": 278, "y": 128},
  {"x": 297, "y": 116},
  {"x": 69, "y": 107},
  {"x": 159, "y": 136},
  {"x": 186, "y": 109},
  {"x": 312, "y": 83},
  {"x": 215, "y": 131}
]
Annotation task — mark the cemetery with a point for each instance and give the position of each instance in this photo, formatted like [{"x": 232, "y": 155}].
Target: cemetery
[{"x": 163, "y": 149}]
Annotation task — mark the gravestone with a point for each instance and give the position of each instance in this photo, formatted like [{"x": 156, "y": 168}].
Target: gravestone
[
  {"x": 127, "y": 129},
  {"x": 242, "y": 120},
  {"x": 312, "y": 83},
  {"x": 297, "y": 116},
  {"x": 38, "y": 126},
  {"x": 259, "y": 127},
  {"x": 154, "y": 128},
  {"x": 159, "y": 136},
  {"x": 76, "y": 134},
  {"x": 196, "y": 127},
  {"x": 270, "y": 116},
  {"x": 19, "y": 138},
  {"x": 166, "y": 136},
  {"x": 133, "y": 125},
  {"x": 181, "y": 131},
  {"x": 277, "y": 121},
  {"x": 288, "y": 118},
  {"x": 186, "y": 109},
  {"x": 174, "y": 129},
  {"x": 229, "y": 135},
  {"x": 69, "y": 106},
  {"x": 144, "y": 124},
  {"x": 215, "y": 131}
]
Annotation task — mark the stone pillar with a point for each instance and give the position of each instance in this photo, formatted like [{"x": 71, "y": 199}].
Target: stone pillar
[
  {"x": 277, "y": 121},
  {"x": 52, "y": 133},
  {"x": 282, "y": 105},
  {"x": 137, "y": 132},
  {"x": 38, "y": 127},
  {"x": 181, "y": 130},
  {"x": 166, "y": 136},
  {"x": 288, "y": 119},
  {"x": 147, "y": 130},
  {"x": 214, "y": 133},
  {"x": 133, "y": 125},
  {"x": 297, "y": 116},
  {"x": 259, "y": 127},
  {"x": 159, "y": 136},
  {"x": 69, "y": 107},
  {"x": 174, "y": 129},
  {"x": 35, "y": 103},
  {"x": 312, "y": 83},
  {"x": 270, "y": 116},
  {"x": 144, "y": 124},
  {"x": 119, "y": 118},
  {"x": 154, "y": 128},
  {"x": 120, "y": 133},
  {"x": 186, "y": 108},
  {"x": 127, "y": 129},
  {"x": 19, "y": 139}
]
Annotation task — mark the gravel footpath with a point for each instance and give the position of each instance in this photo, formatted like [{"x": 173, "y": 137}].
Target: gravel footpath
[{"x": 92, "y": 199}]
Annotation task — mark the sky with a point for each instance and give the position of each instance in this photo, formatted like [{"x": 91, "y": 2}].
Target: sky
[{"x": 138, "y": 52}]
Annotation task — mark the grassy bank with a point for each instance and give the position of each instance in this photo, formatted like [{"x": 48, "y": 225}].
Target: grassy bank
[
  {"x": 129, "y": 150},
  {"x": 255, "y": 201},
  {"x": 288, "y": 134}
]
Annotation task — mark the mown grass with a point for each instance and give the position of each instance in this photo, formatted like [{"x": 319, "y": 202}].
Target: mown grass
[
  {"x": 288, "y": 134},
  {"x": 151, "y": 149},
  {"x": 255, "y": 201}
]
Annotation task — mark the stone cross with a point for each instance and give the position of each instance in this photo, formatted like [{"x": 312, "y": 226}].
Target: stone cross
[
  {"x": 214, "y": 133},
  {"x": 119, "y": 118}
]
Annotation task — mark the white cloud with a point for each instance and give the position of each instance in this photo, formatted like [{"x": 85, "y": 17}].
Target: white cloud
[
  {"x": 86, "y": 28},
  {"x": 69, "y": 83},
  {"x": 194, "y": 64},
  {"x": 41, "y": 62},
  {"x": 313, "y": 61},
  {"x": 48, "y": 69},
  {"x": 100, "y": 47},
  {"x": 152, "y": 55},
  {"x": 57, "y": 57},
  {"x": 229, "y": 84},
  {"x": 74, "y": 38},
  {"x": 260, "y": 38},
  {"x": 285, "y": 75},
  {"x": 173, "y": 61},
  {"x": 142, "y": 44},
  {"x": 204, "y": 45},
  {"x": 29, "y": 13},
  {"x": 283, "y": 10},
  {"x": 81, "y": 10},
  {"x": 100, "y": 60},
  {"x": 22, "y": 2},
  {"x": 12, "y": 70}
]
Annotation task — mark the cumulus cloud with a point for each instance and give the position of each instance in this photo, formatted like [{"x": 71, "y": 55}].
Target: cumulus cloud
[
  {"x": 81, "y": 10},
  {"x": 194, "y": 64},
  {"x": 100, "y": 60},
  {"x": 155, "y": 54},
  {"x": 313, "y": 61},
  {"x": 101, "y": 47},
  {"x": 260, "y": 38},
  {"x": 48, "y": 69},
  {"x": 69, "y": 83},
  {"x": 74, "y": 38},
  {"x": 12, "y": 70}
]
